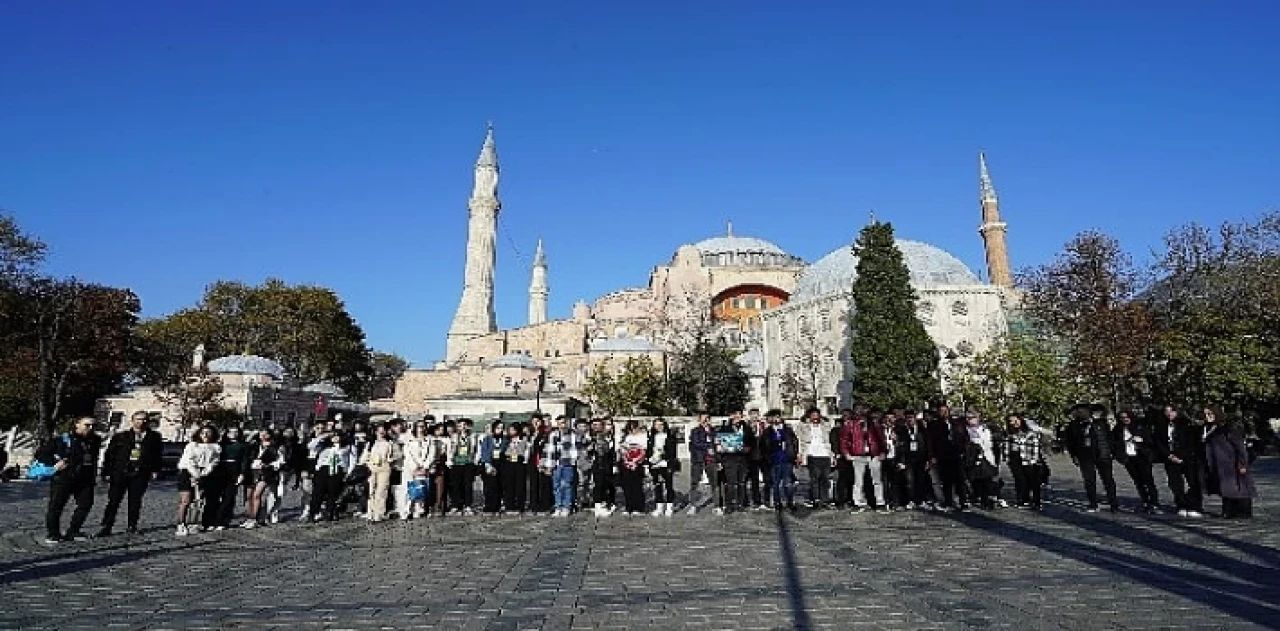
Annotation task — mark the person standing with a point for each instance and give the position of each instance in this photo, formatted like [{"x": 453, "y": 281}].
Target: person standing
[
  {"x": 732, "y": 442},
  {"x": 228, "y": 478},
  {"x": 981, "y": 466},
  {"x": 1132, "y": 447},
  {"x": 814, "y": 435},
  {"x": 333, "y": 463},
  {"x": 663, "y": 464},
  {"x": 561, "y": 453},
  {"x": 758, "y": 468},
  {"x": 1023, "y": 454},
  {"x": 74, "y": 457},
  {"x": 199, "y": 458},
  {"x": 515, "y": 456},
  {"x": 703, "y": 461},
  {"x": 132, "y": 462},
  {"x": 1089, "y": 443},
  {"x": 862, "y": 444},
  {"x": 1176, "y": 443},
  {"x": 1226, "y": 463},
  {"x": 262, "y": 474},
  {"x": 782, "y": 448},
  {"x": 947, "y": 440},
  {"x": 913, "y": 461},
  {"x": 605, "y": 458},
  {"x": 462, "y": 472},
  {"x": 631, "y": 455},
  {"x": 490, "y": 450},
  {"x": 843, "y": 468},
  {"x": 378, "y": 457}
]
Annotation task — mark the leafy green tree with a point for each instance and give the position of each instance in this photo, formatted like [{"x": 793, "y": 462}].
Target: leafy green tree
[
  {"x": 305, "y": 328},
  {"x": 636, "y": 389},
  {"x": 387, "y": 369},
  {"x": 1018, "y": 373},
  {"x": 894, "y": 361},
  {"x": 1217, "y": 314},
  {"x": 708, "y": 377}
]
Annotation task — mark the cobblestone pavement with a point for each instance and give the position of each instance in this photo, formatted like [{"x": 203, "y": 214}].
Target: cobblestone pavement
[{"x": 1008, "y": 568}]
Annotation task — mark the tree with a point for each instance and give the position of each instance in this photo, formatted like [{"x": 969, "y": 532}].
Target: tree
[
  {"x": 387, "y": 369},
  {"x": 894, "y": 360},
  {"x": 1017, "y": 374},
  {"x": 71, "y": 343},
  {"x": 708, "y": 377},
  {"x": 1217, "y": 313},
  {"x": 305, "y": 328},
  {"x": 802, "y": 369},
  {"x": 20, "y": 253},
  {"x": 1084, "y": 299},
  {"x": 636, "y": 389},
  {"x": 196, "y": 397}
]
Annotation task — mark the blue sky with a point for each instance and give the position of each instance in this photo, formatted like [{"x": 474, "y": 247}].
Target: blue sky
[{"x": 165, "y": 145}]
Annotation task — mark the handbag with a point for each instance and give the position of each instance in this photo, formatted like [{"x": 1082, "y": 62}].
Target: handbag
[
  {"x": 417, "y": 490},
  {"x": 360, "y": 473},
  {"x": 39, "y": 472}
]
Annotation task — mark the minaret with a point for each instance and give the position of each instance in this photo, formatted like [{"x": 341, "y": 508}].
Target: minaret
[
  {"x": 475, "y": 310},
  {"x": 538, "y": 288},
  {"x": 992, "y": 229}
]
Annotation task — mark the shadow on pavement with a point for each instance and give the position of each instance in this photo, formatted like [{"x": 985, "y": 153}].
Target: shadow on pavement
[
  {"x": 1250, "y": 597},
  {"x": 40, "y": 568},
  {"x": 791, "y": 572}
]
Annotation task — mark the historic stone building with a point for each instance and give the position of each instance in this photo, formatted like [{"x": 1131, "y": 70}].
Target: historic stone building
[{"x": 745, "y": 290}]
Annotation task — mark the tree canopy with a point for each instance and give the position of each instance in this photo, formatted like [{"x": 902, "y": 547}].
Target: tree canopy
[
  {"x": 894, "y": 360},
  {"x": 707, "y": 377}
]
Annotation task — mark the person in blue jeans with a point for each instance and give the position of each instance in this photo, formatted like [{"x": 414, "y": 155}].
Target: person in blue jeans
[
  {"x": 781, "y": 450},
  {"x": 563, "y": 450}
]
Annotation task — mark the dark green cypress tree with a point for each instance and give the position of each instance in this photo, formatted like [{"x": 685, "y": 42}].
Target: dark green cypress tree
[{"x": 894, "y": 360}]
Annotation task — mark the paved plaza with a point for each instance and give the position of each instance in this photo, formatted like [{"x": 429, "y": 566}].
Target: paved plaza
[{"x": 1009, "y": 568}]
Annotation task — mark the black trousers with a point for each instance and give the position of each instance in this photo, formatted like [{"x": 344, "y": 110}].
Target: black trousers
[
  {"x": 664, "y": 489},
  {"x": 632, "y": 481},
  {"x": 1027, "y": 479},
  {"x": 62, "y": 491},
  {"x": 513, "y": 486},
  {"x": 735, "y": 480},
  {"x": 819, "y": 479},
  {"x": 492, "y": 485},
  {"x": 844, "y": 482},
  {"x": 135, "y": 486},
  {"x": 1091, "y": 470},
  {"x": 955, "y": 489},
  {"x": 603, "y": 491},
  {"x": 212, "y": 490},
  {"x": 1236, "y": 508},
  {"x": 1139, "y": 469},
  {"x": 462, "y": 486},
  {"x": 231, "y": 495},
  {"x": 326, "y": 496},
  {"x": 916, "y": 481},
  {"x": 758, "y": 470},
  {"x": 1184, "y": 481}
]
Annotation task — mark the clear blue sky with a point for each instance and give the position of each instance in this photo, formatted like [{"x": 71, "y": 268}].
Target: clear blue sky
[{"x": 164, "y": 145}]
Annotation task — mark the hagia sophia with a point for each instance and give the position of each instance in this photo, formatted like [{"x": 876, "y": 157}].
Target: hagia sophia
[{"x": 788, "y": 316}]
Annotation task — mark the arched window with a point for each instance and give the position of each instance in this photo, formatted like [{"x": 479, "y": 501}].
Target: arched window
[
  {"x": 964, "y": 348},
  {"x": 959, "y": 308},
  {"x": 826, "y": 322}
]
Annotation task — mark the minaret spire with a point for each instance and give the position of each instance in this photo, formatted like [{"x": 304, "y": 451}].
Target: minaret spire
[
  {"x": 475, "y": 315},
  {"x": 992, "y": 228},
  {"x": 538, "y": 288}
]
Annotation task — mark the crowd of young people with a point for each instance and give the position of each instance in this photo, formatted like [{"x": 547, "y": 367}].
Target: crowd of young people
[{"x": 863, "y": 460}]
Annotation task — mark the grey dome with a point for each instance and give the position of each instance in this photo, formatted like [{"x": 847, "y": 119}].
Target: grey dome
[
  {"x": 246, "y": 365},
  {"x": 513, "y": 360},
  {"x": 752, "y": 362},
  {"x": 930, "y": 266},
  {"x": 326, "y": 388},
  {"x": 738, "y": 251}
]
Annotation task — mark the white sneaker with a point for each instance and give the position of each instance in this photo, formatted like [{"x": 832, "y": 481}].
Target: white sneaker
[
  {"x": 306, "y": 514},
  {"x": 1183, "y": 513},
  {"x": 718, "y": 511},
  {"x": 275, "y": 517},
  {"x": 1192, "y": 513},
  {"x": 693, "y": 510},
  {"x": 657, "y": 511},
  {"x": 249, "y": 524},
  {"x": 668, "y": 511},
  {"x": 182, "y": 530},
  {"x": 468, "y": 511}
]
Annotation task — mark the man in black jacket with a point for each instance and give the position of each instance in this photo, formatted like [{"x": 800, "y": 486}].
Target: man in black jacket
[
  {"x": 132, "y": 462},
  {"x": 1089, "y": 443},
  {"x": 1177, "y": 443},
  {"x": 74, "y": 456}
]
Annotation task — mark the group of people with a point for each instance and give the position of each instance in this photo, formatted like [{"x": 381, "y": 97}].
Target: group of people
[{"x": 863, "y": 460}]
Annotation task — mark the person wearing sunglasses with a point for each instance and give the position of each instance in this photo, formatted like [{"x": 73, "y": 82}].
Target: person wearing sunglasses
[{"x": 74, "y": 457}]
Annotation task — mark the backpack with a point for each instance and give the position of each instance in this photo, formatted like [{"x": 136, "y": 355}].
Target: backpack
[{"x": 39, "y": 471}]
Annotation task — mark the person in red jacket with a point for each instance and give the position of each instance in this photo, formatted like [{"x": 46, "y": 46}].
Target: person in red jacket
[{"x": 862, "y": 444}]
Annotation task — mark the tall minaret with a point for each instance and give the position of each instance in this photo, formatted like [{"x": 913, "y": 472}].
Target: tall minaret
[
  {"x": 538, "y": 288},
  {"x": 992, "y": 229},
  {"x": 475, "y": 311}
]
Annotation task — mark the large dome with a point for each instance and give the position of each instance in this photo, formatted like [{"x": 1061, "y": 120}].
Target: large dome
[
  {"x": 732, "y": 250},
  {"x": 930, "y": 266},
  {"x": 246, "y": 365}
]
